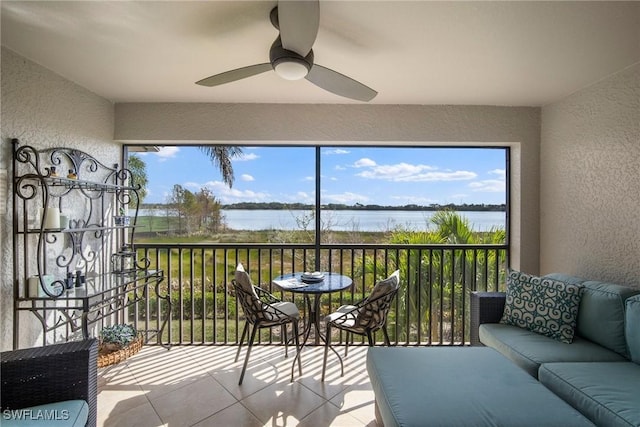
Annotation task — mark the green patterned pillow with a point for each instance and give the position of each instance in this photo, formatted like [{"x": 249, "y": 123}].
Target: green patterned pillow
[{"x": 546, "y": 306}]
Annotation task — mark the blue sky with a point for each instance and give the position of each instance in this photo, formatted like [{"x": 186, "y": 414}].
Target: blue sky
[{"x": 381, "y": 175}]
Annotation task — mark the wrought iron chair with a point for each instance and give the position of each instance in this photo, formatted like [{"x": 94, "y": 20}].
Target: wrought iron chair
[
  {"x": 263, "y": 310},
  {"x": 365, "y": 317}
]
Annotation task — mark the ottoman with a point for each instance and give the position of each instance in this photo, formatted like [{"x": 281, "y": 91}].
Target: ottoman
[{"x": 460, "y": 386}]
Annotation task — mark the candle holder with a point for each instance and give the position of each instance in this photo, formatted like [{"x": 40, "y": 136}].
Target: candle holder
[{"x": 124, "y": 261}]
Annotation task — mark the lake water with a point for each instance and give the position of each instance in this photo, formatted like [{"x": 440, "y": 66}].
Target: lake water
[{"x": 342, "y": 220}]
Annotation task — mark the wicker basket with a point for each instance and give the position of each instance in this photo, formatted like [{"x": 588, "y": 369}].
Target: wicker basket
[{"x": 107, "y": 357}]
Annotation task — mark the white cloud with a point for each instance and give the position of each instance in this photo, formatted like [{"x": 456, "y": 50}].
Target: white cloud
[
  {"x": 228, "y": 195},
  {"x": 336, "y": 151},
  {"x": 165, "y": 153},
  {"x": 500, "y": 172},
  {"x": 246, "y": 177},
  {"x": 245, "y": 157},
  {"x": 488, "y": 186},
  {"x": 190, "y": 184},
  {"x": 491, "y": 185},
  {"x": 405, "y": 172},
  {"x": 346, "y": 198},
  {"x": 364, "y": 163},
  {"x": 299, "y": 197}
]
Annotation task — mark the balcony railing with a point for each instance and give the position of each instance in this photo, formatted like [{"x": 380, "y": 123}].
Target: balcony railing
[{"x": 431, "y": 308}]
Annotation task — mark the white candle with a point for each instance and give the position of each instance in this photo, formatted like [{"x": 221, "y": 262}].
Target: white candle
[{"x": 52, "y": 220}]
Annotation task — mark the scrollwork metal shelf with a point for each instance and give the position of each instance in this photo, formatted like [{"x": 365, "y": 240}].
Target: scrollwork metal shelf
[{"x": 88, "y": 201}]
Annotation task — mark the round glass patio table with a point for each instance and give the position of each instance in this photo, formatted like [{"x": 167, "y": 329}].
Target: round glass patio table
[{"x": 331, "y": 282}]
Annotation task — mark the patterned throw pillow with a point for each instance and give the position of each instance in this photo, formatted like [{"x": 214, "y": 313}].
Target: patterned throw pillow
[{"x": 546, "y": 306}]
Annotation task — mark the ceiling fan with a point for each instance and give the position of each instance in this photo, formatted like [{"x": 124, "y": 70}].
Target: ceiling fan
[{"x": 291, "y": 56}]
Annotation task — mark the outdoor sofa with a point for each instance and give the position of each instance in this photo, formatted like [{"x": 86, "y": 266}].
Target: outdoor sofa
[
  {"x": 517, "y": 376},
  {"x": 52, "y": 386}
]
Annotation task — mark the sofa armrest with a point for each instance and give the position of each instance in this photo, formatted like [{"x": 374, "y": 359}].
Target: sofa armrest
[
  {"x": 486, "y": 307},
  {"x": 40, "y": 375}
]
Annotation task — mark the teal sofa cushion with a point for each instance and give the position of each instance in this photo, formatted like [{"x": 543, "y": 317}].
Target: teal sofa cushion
[
  {"x": 601, "y": 317},
  {"x": 606, "y": 393},
  {"x": 66, "y": 413},
  {"x": 632, "y": 327},
  {"x": 529, "y": 350},
  {"x": 566, "y": 278},
  {"x": 543, "y": 305},
  {"x": 460, "y": 386}
]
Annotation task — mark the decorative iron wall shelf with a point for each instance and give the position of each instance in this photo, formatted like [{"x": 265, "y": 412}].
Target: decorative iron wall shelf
[{"x": 66, "y": 230}]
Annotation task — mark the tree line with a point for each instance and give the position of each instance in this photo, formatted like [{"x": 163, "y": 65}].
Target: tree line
[{"x": 465, "y": 207}]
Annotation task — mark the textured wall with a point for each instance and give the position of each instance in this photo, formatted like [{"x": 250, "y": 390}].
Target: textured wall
[
  {"x": 43, "y": 110},
  {"x": 590, "y": 182},
  {"x": 365, "y": 124}
]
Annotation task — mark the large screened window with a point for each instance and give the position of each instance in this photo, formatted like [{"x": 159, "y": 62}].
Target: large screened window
[{"x": 327, "y": 194}]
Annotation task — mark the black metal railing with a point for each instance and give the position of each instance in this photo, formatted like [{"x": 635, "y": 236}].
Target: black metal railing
[{"x": 431, "y": 308}]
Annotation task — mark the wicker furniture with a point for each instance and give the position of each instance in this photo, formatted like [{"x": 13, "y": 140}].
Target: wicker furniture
[
  {"x": 363, "y": 318},
  {"x": 41, "y": 375},
  {"x": 263, "y": 310}
]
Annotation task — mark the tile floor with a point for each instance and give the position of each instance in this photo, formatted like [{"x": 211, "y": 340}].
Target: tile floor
[{"x": 198, "y": 386}]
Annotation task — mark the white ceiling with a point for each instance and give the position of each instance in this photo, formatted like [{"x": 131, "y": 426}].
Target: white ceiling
[{"x": 411, "y": 52}]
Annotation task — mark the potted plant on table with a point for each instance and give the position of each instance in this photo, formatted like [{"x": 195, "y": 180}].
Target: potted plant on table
[{"x": 117, "y": 342}]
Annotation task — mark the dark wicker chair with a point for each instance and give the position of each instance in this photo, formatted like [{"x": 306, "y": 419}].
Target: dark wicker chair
[
  {"x": 365, "y": 317},
  {"x": 54, "y": 373},
  {"x": 263, "y": 310}
]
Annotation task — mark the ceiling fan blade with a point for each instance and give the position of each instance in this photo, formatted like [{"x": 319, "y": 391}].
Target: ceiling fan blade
[
  {"x": 298, "y": 21},
  {"x": 339, "y": 84},
  {"x": 233, "y": 75}
]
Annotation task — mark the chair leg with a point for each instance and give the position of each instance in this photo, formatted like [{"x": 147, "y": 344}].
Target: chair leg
[
  {"x": 296, "y": 340},
  {"x": 284, "y": 333},
  {"x": 346, "y": 344},
  {"x": 326, "y": 350},
  {"x": 246, "y": 359},
  {"x": 370, "y": 337},
  {"x": 386, "y": 336},
  {"x": 244, "y": 333}
]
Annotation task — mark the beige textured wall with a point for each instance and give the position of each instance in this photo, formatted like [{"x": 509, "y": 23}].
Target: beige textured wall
[
  {"x": 354, "y": 124},
  {"x": 43, "y": 110},
  {"x": 590, "y": 182}
]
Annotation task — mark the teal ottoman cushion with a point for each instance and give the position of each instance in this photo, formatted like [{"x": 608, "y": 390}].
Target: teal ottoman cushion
[
  {"x": 632, "y": 327},
  {"x": 464, "y": 386},
  {"x": 67, "y": 413},
  {"x": 529, "y": 350},
  {"x": 607, "y": 393}
]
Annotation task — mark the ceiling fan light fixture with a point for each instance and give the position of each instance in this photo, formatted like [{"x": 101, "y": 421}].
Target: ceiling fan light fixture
[{"x": 291, "y": 69}]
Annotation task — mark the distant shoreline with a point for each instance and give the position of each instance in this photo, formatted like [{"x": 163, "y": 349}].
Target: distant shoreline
[{"x": 356, "y": 207}]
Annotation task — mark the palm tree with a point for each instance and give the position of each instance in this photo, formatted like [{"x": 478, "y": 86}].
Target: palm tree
[
  {"x": 220, "y": 156},
  {"x": 433, "y": 280},
  {"x": 139, "y": 178}
]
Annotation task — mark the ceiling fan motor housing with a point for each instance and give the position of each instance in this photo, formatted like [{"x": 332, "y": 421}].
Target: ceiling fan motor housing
[{"x": 282, "y": 58}]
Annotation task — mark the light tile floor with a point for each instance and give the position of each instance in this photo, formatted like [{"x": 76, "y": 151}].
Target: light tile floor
[{"x": 198, "y": 386}]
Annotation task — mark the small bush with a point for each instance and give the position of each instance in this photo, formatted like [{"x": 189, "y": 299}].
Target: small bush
[{"x": 120, "y": 334}]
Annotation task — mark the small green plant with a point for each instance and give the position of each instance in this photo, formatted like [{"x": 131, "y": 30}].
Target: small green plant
[{"x": 120, "y": 334}]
